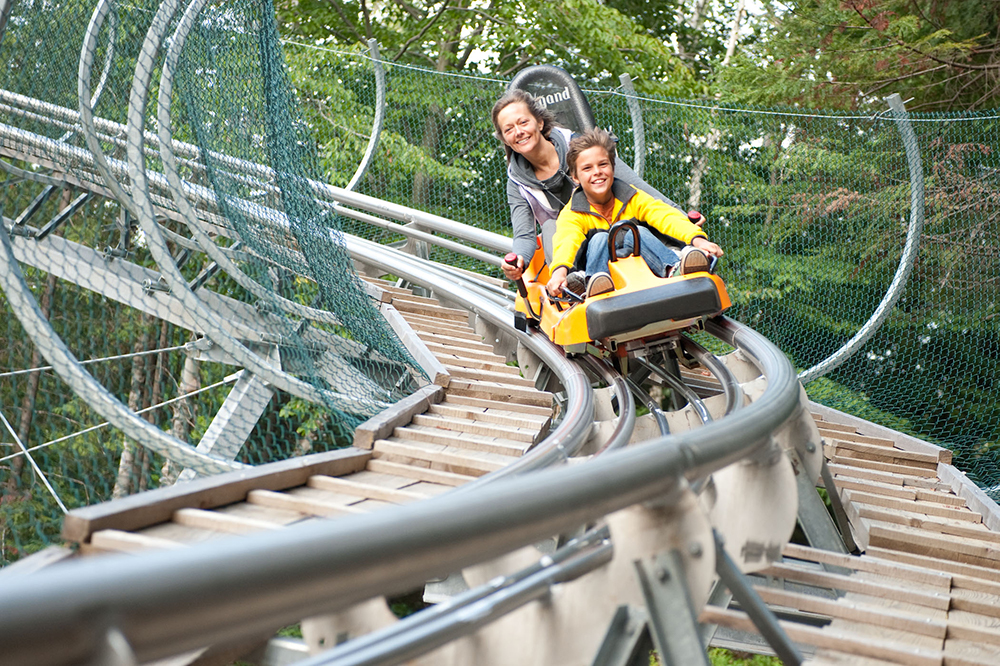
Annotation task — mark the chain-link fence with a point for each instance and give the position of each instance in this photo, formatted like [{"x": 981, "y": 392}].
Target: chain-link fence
[{"x": 204, "y": 283}]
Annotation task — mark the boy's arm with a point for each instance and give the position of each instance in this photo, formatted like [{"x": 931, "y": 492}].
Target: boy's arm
[
  {"x": 567, "y": 240},
  {"x": 665, "y": 219}
]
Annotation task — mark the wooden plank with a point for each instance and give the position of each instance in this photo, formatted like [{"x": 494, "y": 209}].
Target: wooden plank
[
  {"x": 903, "y": 470},
  {"x": 478, "y": 461},
  {"x": 470, "y": 401},
  {"x": 972, "y": 601},
  {"x": 366, "y": 490},
  {"x": 127, "y": 542},
  {"x": 978, "y": 629},
  {"x": 885, "y": 454},
  {"x": 156, "y": 506},
  {"x": 411, "y": 304},
  {"x": 402, "y": 412},
  {"x": 923, "y": 542},
  {"x": 941, "y": 498},
  {"x": 455, "y": 329},
  {"x": 501, "y": 392},
  {"x": 905, "y": 442},
  {"x": 944, "y": 512},
  {"x": 976, "y": 498},
  {"x": 453, "y": 345},
  {"x": 219, "y": 522},
  {"x": 875, "y": 487},
  {"x": 428, "y": 362},
  {"x": 510, "y": 433},
  {"x": 35, "y": 562},
  {"x": 272, "y": 515},
  {"x": 428, "y": 489},
  {"x": 959, "y": 652},
  {"x": 443, "y": 350},
  {"x": 921, "y": 522},
  {"x": 458, "y": 360},
  {"x": 855, "y": 438},
  {"x": 875, "y": 565},
  {"x": 491, "y": 415},
  {"x": 419, "y": 473},
  {"x": 864, "y": 647},
  {"x": 956, "y": 568},
  {"x": 931, "y": 599},
  {"x": 886, "y": 477},
  {"x": 461, "y": 440},
  {"x": 311, "y": 506},
  {"x": 873, "y": 615},
  {"x": 488, "y": 376}
]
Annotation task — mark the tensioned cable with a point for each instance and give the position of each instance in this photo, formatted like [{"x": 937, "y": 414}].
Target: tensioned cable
[
  {"x": 34, "y": 465},
  {"x": 228, "y": 380},
  {"x": 95, "y": 360}
]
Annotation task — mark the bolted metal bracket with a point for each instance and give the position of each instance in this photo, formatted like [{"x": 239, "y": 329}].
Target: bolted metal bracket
[
  {"x": 673, "y": 622},
  {"x": 627, "y": 641}
]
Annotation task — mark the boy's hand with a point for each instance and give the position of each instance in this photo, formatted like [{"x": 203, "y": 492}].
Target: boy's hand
[
  {"x": 557, "y": 282},
  {"x": 707, "y": 246},
  {"x": 515, "y": 271}
]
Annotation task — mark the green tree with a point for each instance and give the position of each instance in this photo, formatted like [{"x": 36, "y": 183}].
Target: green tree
[{"x": 849, "y": 54}]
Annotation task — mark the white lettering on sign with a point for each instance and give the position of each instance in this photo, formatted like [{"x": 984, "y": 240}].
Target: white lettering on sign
[{"x": 555, "y": 97}]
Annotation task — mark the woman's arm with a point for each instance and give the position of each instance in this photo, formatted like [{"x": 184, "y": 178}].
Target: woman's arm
[{"x": 522, "y": 219}]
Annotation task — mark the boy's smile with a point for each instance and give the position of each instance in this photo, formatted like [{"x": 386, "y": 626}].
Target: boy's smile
[{"x": 595, "y": 172}]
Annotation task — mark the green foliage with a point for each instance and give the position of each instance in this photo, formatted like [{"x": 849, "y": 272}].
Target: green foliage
[{"x": 833, "y": 54}]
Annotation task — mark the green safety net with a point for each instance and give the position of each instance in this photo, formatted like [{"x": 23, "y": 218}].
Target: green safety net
[{"x": 811, "y": 207}]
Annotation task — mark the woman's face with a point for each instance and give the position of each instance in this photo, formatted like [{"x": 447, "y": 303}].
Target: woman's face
[{"x": 520, "y": 130}]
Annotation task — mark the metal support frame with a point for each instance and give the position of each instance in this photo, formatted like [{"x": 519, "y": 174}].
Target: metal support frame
[
  {"x": 63, "y": 216},
  {"x": 814, "y": 518},
  {"x": 751, "y": 603},
  {"x": 638, "y": 126},
  {"x": 839, "y": 513},
  {"x": 627, "y": 641},
  {"x": 906, "y": 261},
  {"x": 21, "y": 220},
  {"x": 234, "y": 421},
  {"x": 673, "y": 621},
  {"x": 377, "y": 124}
]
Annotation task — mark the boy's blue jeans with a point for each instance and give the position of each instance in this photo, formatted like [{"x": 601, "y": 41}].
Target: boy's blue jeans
[{"x": 658, "y": 256}]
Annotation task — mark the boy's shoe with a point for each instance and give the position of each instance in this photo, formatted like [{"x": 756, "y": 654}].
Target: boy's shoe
[
  {"x": 692, "y": 260},
  {"x": 600, "y": 283},
  {"x": 576, "y": 282}
]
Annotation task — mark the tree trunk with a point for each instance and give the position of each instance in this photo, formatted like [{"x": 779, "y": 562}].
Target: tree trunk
[
  {"x": 128, "y": 473},
  {"x": 27, "y": 410},
  {"x": 183, "y": 417}
]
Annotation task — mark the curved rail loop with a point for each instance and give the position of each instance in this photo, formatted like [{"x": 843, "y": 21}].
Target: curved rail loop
[{"x": 173, "y": 601}]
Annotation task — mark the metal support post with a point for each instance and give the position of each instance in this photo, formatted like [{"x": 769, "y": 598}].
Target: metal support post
[
  {"x": 64, "y": 215},
  {"x": 627, "y": 641},
  {"x": 638, "y": 128},
  {"x": 673, "y": 622},
  {"x": 814, "y": 518},
  {"x": 839, "y": 513},
  {"x": 751, "y": 603},
  {"x": 32, "y": 208},
  {"x": 719, "y": 597},
  {"x": 235, "y": 419}
]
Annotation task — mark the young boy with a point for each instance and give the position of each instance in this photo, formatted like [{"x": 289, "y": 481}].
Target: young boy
[{"x": 600, "y": 201}]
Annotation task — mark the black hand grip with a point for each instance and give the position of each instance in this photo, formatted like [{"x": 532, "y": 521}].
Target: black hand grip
[{"x": 511, "y": 260}]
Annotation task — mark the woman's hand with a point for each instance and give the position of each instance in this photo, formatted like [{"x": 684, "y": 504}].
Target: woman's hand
[
  {"x": 557, "y": 282},
  {"x": 513, "y": 271},
  {"x": 707, "y": 246}
]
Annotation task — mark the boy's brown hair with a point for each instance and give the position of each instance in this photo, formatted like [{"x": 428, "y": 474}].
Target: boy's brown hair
[{"x": 590, "y": 139}]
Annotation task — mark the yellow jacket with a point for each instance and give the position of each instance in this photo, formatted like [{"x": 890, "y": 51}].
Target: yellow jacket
[{"x": 578, "y": 221}]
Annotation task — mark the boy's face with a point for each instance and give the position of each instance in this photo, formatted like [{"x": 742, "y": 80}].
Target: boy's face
[{"x": 595, "y": 172}]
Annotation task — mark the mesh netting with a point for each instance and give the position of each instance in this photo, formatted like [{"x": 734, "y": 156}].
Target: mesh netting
[{"x": 812, "y": 209}]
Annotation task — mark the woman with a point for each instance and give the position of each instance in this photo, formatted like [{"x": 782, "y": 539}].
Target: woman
[{"x": 538, "y": 185}]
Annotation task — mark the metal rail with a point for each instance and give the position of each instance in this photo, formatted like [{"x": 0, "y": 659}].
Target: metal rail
[{"x": 166, "y": 603}]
